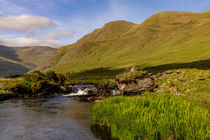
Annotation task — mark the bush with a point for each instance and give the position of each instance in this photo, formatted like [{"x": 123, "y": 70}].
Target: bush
[
  {"x": 34, "y": 76},
  {"x": 23, "y": 87},
  {"x": 152, "y": 116},
  {"x": 61, "y": 78},
  {"x": 5, "y": 94},
  {"x": 36, "y": 81},
  {"x": 40, "y": 86},
  {"x": 51, "y": 76}
]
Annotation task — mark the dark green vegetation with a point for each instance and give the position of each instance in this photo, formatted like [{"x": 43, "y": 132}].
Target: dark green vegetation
[
  {"x": 200, "y": 65},
  {"x": 152, "y": 116},
  {"x": 5, "y": 95},
  {"x": 93, "y": 76},
  {"x": 34, "y": 83},
  {"x": 164, "y": 38},
  {"x": 20, "y": 60}
]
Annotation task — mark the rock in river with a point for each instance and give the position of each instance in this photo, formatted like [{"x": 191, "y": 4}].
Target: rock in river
[{"x": 134, "y": 83}]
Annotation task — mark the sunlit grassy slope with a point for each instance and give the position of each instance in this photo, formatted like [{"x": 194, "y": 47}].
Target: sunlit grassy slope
[{"x": 166, "y": 37}]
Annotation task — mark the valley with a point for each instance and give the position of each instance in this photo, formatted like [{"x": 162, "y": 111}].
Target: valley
[{"x": 121, "y": 81}]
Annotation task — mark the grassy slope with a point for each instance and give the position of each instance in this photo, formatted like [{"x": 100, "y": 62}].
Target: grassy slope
[
  {"x": 192, "y": 84},
  {"x": 166, "y": 37}
]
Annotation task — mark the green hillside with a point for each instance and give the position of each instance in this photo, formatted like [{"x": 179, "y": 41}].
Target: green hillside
[{"x": 166, "y": 37}]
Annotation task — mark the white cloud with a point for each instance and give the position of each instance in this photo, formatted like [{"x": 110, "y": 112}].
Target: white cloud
[
  {"x": 24, "y": 23},
  {"x": 30, "y": 41}
]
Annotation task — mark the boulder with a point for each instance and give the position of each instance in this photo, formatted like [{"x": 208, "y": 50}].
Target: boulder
[
  {"x": 143, "y": 82},
  {"x": 65, "y": 89}
]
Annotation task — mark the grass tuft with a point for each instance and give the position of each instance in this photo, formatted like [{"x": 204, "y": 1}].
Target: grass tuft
[
  {"x": 152, "y": 116},
  {"x": 5, "y": 94}
]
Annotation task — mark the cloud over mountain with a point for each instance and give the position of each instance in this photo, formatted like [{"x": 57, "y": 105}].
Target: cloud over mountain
[
  {"x": 25, "y": 23},
  {"x": 30, "y": 41},
  {"x": 27, "y": 26}
]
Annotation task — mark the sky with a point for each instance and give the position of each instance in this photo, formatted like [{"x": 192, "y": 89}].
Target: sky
[{"x": 56, "y": 23}]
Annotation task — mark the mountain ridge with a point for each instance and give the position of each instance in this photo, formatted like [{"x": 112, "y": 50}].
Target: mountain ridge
[{"x": 165, "y": 37}]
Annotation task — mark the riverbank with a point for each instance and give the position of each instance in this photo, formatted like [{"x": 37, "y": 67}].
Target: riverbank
[
  {"x": 48, "y": 84},
  {"x": 177, "y": 109},
  {"x": 34, "y": 84},
  {"x": 5, "y": 95},
  {"x": 152, "y": 116}
]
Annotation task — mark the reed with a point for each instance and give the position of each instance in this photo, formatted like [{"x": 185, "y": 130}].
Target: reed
[{"x": 152, "y": 116}]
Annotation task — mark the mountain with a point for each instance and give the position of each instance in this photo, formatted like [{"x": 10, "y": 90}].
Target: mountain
[
  {"x": 19, "y": 60},
  {"x": 166, "y": 37},
  {"x": 33, "y": 57}
]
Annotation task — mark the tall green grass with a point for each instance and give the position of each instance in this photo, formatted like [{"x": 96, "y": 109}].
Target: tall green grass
[
  {"x": 5, "y": 94},
  {"x": 152, "y": 116}
]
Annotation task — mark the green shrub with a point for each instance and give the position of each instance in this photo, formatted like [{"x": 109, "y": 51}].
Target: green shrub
[
  {"x": 23, "y": 87},
  {"x": 39, "y": 86},
  {"x": 61, "y": 78},
  {"x": 51, "y": 76},
  {"x": 5, "y": 94},
  {"x": 34, "y": 76},
  {"x": 34, "y": 82},
  {"x": 152, "y": 116}
]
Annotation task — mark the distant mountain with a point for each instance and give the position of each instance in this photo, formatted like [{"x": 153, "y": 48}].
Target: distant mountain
[
  {"x": 166, "y": 37},
  {"x": 20, "y": 60},
  {"x": 33, "y": 57}
]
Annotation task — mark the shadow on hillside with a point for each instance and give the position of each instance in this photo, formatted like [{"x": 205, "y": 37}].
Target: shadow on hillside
[
  {"x": 202, "y": 65},
  {"x": 8, "y": 69},
  {"x": 95, "y": 74},
  {"x": 9, "y": 53},
  {"x": 107, "y": 73}
]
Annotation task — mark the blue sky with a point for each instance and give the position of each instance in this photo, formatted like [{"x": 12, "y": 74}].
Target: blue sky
[{"x": 60, "y": 22}]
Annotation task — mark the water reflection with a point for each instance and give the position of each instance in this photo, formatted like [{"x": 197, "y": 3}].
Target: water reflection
[
  {"x": 102, "y": 132},
  {"x": 56, "y": 118}
]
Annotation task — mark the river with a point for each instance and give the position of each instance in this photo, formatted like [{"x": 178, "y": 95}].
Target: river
[{"x": 56, "y": 118}]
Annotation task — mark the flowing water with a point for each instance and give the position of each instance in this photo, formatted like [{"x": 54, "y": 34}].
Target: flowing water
[{"x": 56, "y": 118}]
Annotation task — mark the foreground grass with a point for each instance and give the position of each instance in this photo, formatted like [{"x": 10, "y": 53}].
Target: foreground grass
[
  {"x": 5, "y": 95},
  {"x": 152, "y": 116}
]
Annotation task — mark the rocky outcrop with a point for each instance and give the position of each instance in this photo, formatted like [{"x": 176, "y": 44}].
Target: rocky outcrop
[{"x": 135, "y": 83}]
